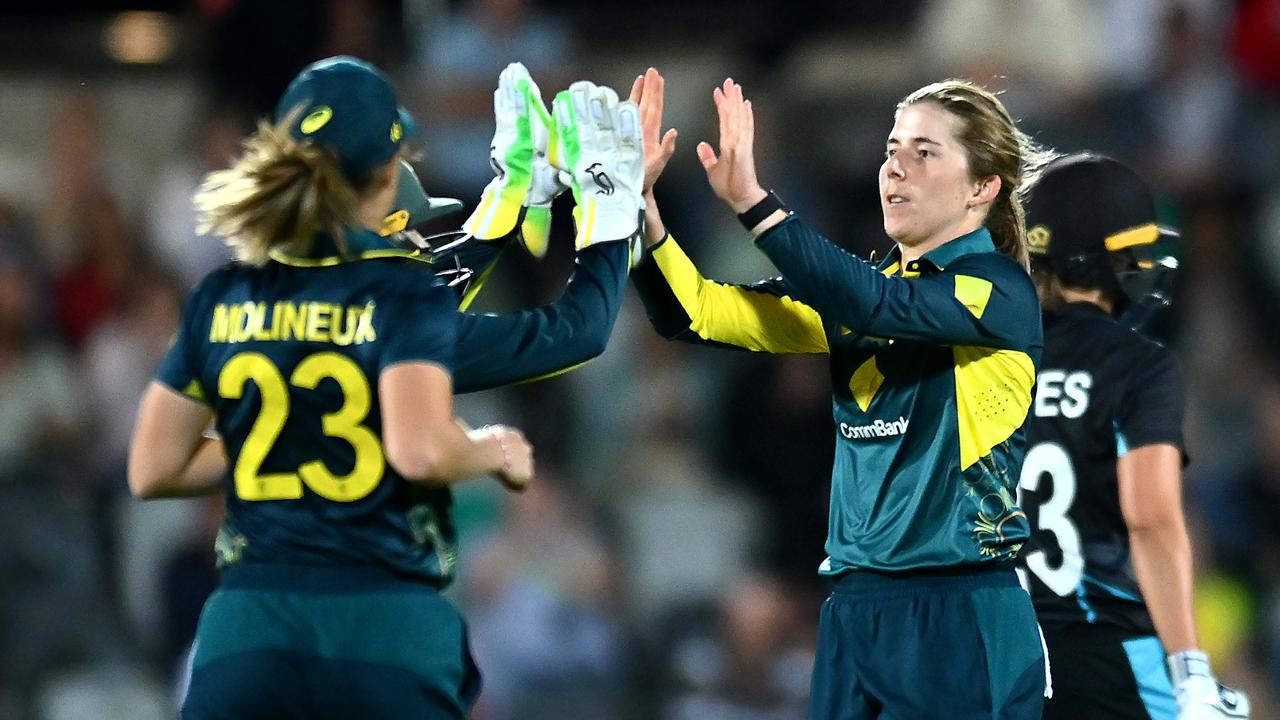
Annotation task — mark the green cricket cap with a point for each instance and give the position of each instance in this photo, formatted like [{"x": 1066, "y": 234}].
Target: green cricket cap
[{"x": 349, "y": 107}]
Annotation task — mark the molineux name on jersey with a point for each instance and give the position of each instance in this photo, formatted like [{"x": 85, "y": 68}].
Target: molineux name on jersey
[
  {"x": 877, "y": 429},
  {"x": 286, "y": 320},
  {"x": 1059, "y": 392}
]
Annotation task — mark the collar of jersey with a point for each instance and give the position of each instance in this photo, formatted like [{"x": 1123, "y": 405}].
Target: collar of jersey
[
  {"x": 362, "y": 244},
  {"x": 978, "y": 241}
]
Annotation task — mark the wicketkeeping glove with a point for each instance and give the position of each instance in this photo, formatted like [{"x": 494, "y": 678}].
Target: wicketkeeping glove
[
  {"x": 548, "y": 183},
  {"x": 599, "y": 141},
  {"x": 1200, "y": 696},
  {"x": 510, "y": 153}
]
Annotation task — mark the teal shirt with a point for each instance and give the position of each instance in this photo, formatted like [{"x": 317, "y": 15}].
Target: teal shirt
[
  {"x": 932, "y": 368},
  {"x": 288, "y": 357},
  {"x": 306, "y": 490}
]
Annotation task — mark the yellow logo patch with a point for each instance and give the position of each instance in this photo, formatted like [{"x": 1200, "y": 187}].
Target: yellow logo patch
[
  {"x": 316, "y": 119},
  {"x": 397, "y": 132},
  {"x": 394, "y": 223},
  {"x": 1038, "y": 239}
]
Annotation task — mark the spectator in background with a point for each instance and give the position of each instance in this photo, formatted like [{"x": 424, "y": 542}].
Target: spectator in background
[
  {"x": 458, "y": 56},
  {"x": 118, "y": 359},
  {"x": 171, "y": 217},
  {"x": 52, "y": 612},
  {"x": 1261, "y": 480},
  {"x": 783, "y": 401},
  {"x": 1042, "y": 53},
  {"x": 77, "y": 174},
  {"x": 688, "y": 531},
  {"x": 541, "y": 594},
  {"x": 1193, "y": 102},
  {"x": 258, "y": 45},
  {"x": 40, "y": 411},
  {"x": 91, "y": 285},
  {"x": 754, "y": 667}
]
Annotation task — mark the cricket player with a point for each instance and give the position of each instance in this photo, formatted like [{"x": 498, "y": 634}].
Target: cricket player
[
  {"x": 1109, "y": 562},
  {"x": 325, "y": 359},
  {"x": 933, "y": 354}
]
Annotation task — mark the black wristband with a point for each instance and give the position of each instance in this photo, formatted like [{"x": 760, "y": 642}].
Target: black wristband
[{"x": 761, "y": 210}]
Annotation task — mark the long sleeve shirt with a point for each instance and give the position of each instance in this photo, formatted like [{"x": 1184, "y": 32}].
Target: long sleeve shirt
[{"x": 932, "y": 366}]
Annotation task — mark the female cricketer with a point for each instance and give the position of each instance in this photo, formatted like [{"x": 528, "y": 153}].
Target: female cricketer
[
  {"x": 1109, "y": 561},
  {"x": 323, "y": 358},
  {"x": 933, "y": 355}
]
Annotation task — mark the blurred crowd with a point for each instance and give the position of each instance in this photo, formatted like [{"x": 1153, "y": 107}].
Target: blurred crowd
[{"x": 663, "y": 565}]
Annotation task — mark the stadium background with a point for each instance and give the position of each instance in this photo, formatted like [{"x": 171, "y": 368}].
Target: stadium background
[{"x": 663, "y": 565}]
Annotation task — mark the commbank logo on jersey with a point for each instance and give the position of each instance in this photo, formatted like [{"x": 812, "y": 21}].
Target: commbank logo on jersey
[
  {"x": 877, "y": 429},
  {"x": 602, "y": 181}
]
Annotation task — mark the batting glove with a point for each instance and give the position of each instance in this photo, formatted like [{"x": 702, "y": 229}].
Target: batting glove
[
  {"x": 511, "y": 155},
  {"x": 599, "y": 142},
  {"x": 1200, "y": 696}
]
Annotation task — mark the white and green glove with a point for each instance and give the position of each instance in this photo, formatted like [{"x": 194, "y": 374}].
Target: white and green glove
[
  {"x": 510, "y": 153},
  {"x": 548, "y": 183},
  {"x": 1200, "y": 696},
  {"x": 599, "y": 142}
]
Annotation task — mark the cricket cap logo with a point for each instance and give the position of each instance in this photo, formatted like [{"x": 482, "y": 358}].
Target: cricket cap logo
[{"x": 602, "y": 181}]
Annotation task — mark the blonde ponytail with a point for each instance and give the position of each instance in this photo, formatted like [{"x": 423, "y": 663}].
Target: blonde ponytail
[{"x": 280, "y": 194}]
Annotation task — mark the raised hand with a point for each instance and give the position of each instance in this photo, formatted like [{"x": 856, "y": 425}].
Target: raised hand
[
  {"x": 510, "y": 154},
  {"x": 548, "y": 182},
  {"x": 647, "y": 92},
  {"x": 732, "y": 171}
]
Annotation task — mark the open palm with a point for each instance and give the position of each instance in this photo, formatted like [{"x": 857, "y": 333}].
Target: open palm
[
  {"x": 732, "y": 171},
  {"x": 647, "y": 91}
]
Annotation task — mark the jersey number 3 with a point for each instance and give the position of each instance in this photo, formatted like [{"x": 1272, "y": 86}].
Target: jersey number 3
[
  {"x": 343, "y": 424},
  {"x": 1051, "y": 459}
]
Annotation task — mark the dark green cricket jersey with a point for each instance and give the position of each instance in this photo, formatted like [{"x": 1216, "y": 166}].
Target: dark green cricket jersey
[
  {"x": 932, "y": 367},
  {"x": 288, "y": 357}
]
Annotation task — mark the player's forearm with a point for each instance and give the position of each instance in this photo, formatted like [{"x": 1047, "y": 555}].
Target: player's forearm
[
  {"x": 167, "y": 453},
  {"x": 448, "y": 455},
  {"x": 496, "y": 350},
  {"x": 835, "y": 283},
  {"x": 202, "y": 475},
  {"x": 1161, "y": 553}
]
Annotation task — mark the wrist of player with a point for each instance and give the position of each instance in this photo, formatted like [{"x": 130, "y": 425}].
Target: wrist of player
[
  {"x": 499, "y": 209},
  {"x": 497, "y": 456},
  {"x": 746, "y": 199}
]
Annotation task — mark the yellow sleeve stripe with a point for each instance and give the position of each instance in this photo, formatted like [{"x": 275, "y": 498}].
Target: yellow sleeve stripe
[
  {"x": 738, "y": 316},
  {"x": 974, "y": 293},
  {"x": 588, "y": 223},
  {"x": 993, "y": 395}
]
